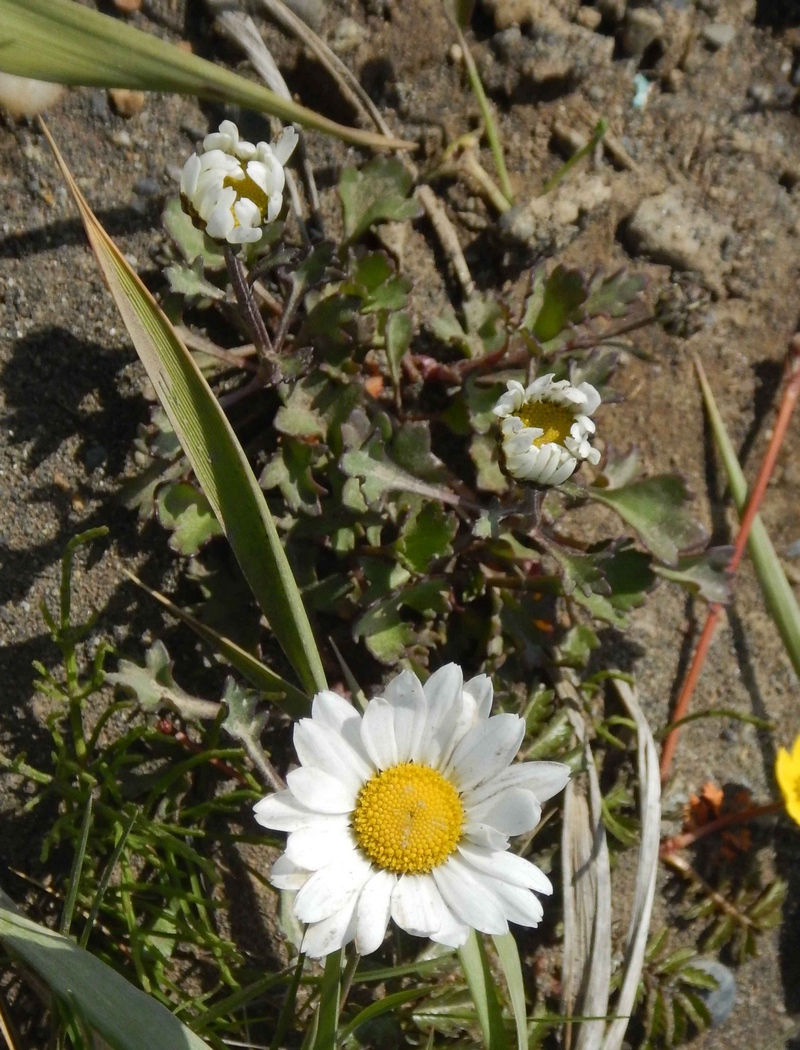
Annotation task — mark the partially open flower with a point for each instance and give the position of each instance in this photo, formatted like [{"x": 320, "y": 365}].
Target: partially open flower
[
  {"x": 234, "y": 188},
  {"x": 546, "y": 428},
  {"x": 405, "y": 814},
  {"x": 787, "y": 771}
]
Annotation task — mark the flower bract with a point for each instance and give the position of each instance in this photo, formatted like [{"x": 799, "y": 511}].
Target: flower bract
[
  {"x": 405, "y": 814},
  {"x": 787, "y": 772},
  {"x": 234, "y": 187},
  {"x": 546, "y": 428}
]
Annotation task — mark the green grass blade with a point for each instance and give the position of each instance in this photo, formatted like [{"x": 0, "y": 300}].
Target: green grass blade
[
  {"x": 484, "y": 992},
  {"x": 105, "y": 878},
  {"x": 124, "y": 1017},
  {"x": 283, "y": 693},
  {"x": 77, "y": 868},
  {"x": 327, "y": 1016},
  {"x": 61, "y": 41},
  {"x": 509, "y": 959},
  {"x": 212, "y": 448},
  {"x": 777, "y": 590}
]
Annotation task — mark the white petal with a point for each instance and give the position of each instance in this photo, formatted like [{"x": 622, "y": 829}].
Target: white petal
[
  {"x": 282, "y": 812},
  {"x": 592, "y": 398},
  {"x": 247, "y": 212},
  {"x": 443, "y": 691},
  {"x": 287, "y": 876},
  {"x": 506, "y": 867},
  {"x": 322, "y": 938},
  {"x": 566, "y": 470},
  {"x": 377, "y": 733},
  {"x": 409, "y": 710},
  {"x": 467, "y": 898},
  {"x": 245, "y": 235},
  {"x": 544, "y": 779},
  {"x": 318, "y": 745},
  {"x": 513, "y": 812},
  {"x": 331, "y": 710},
  {"x": 314, "y": 848},
  {"x": 319, "y": 791},
  {"x": 481, "y": 690},
  {"x": 486, "y": 750},
  {"x": 189, "y": 175},
  {"x": 485, "y": 836},
  {"x": 452, "y": 933},
  {"x": 372, "y": 912},
  {"x": 417, "y": 905},
  {"x": 518, "y": 905},
  {"x": 330, "y": 888},
  {"x": 220, "y": 223},
  {"x": 284, "y": 145},
  {"x": 274, "y": 206}
]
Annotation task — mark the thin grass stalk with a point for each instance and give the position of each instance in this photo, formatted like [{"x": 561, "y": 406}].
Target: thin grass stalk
[{"x": 791, "y": 391}]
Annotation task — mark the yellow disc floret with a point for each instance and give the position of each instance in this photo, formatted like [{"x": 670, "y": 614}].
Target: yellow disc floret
[
  {"x": 555, "y": 420},
  {"x": 408, "y": 819}
]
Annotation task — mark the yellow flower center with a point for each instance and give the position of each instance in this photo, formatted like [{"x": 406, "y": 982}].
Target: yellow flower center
[
  {"x": 247, "y": 187},
  {"x": 555, "y": 420},
  {"x": 408, "y": 819}
]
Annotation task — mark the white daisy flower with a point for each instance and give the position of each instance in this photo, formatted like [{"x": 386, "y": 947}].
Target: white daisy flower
[
  {"x": 546, "y": 428},
  {"x": 234, "y": 188},
  {"x": 406, "y": 813}
]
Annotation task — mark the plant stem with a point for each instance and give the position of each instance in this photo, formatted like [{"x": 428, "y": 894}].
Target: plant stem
[
  {"x": 729, "y": 820},
  {"x": 487, "y": 116},
  {"x": 252, "y": 315},
  {"x": 791, "y": 391}
]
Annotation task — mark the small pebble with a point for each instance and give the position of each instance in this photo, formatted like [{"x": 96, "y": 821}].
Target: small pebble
[
  {"x": 718, "y": 34},
  {"x": 127, "y": 103},
  {"x": 793, "y": 550},
  {"x": 720, "y": 1000},
  {"x": 122, "y": 139},
  {"x": 147, "y": 187},
  {"x": 127, "y": 7}
]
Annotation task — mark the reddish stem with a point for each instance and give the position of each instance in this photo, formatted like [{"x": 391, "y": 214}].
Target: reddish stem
[
  {"x": 744, "y": 816},
  {"x": 791, "y": 391}
]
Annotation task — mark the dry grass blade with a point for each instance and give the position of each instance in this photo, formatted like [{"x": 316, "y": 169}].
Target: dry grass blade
[
  {"x": 243, "y": 31},
  {"x": 586, "y": 976},
  {"x": 647, "y": 869},
  {"x": 330, "y": 61}
]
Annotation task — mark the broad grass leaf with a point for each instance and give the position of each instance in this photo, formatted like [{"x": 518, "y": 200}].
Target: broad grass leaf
[
  {"x": 123, "y": 1016},
  {"x": 64, "y": 42},
  {"x": 212, "y": 448}
]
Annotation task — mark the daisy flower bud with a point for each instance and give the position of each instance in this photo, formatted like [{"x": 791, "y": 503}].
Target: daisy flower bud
[
  {"x": 234, "y": 187},
  {"x": 405, "y": 814},
  {"x": 546, "y": 428}
]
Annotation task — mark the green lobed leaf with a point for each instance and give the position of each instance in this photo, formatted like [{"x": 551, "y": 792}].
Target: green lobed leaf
[
  {"x": 554, "y": 303},
  {"x": 377, "y": 192},
  {"x": 426, "y": 535},
  {"x": 192, "y": 243},
  {"x": 121, "y": 1015},
  {"x": 657, "y": 508},
  {"x": 64, "y": 42},
  {"x": 212, "y": 448},
  {"x": 151, "y": 684},
  {"x": 705, "y": 574},
  {"x": 189, "y": 282},
  {"x": 186, "y": 512},
  {"x": 611, "y": 296}
]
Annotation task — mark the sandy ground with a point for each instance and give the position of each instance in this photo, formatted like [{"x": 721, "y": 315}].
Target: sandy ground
[{"x": 719, "y": 133}]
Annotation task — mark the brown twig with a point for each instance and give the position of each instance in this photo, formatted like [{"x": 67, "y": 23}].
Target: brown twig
[
  {"x": 791, "y": 391},
  {"x": 729, "y": 820}
]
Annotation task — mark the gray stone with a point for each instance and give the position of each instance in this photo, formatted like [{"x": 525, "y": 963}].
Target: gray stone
[
  {"x": 147, "y": 187},
  {"x": 720, "y": 1000},
  {"x": 718, "y": 34},
  {"x": 671, "y": 230}
]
